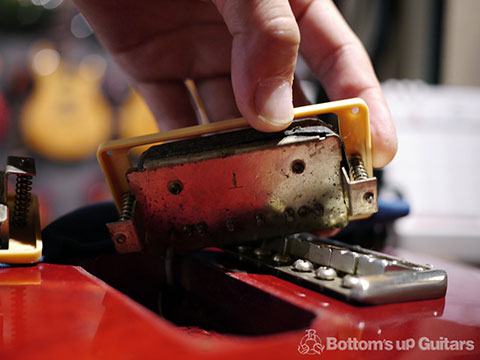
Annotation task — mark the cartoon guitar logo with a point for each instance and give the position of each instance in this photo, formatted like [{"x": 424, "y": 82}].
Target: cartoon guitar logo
[{"x": 310, "y": 344}]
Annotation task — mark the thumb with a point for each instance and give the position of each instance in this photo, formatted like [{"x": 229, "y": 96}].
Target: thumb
[{"x": 265, "y": 45}]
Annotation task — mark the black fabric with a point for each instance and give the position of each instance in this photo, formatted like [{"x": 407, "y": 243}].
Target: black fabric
[{"x": 81, "y": 233}]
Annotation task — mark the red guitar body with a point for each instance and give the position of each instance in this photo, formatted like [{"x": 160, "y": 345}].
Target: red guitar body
[{"x": 64, "y": 312}]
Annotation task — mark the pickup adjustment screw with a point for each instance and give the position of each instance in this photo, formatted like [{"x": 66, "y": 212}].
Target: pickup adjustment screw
[
  {"x": 318, "y": 209},
  {"x": 298, "y": 166},
  {"x": 187, "y": 229},
  {"x": 303, "y": 211},
  {"x": 175, "y": 187},
  {"x": 289, "y": 214}
]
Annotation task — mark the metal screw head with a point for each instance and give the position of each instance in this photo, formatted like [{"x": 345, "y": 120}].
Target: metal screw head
[
  {"x": 368, "y": 197},
  {"x": 260, "y": 219},
  {"x": 289, "y": 214},
  {"x": 281, "y": 258},
  {"x": 243, "y": 249},
  {"x": 302, "y": 265},
  {"x": 230, "y": 224},
  {"x": 261, "y": 252},
  {"x": 350, "y": 281},
  {"x": 318, "y": 209},
  {"x": 298, "y": 166},
  {"x": 325, "y": 273},
  {"x": 120, "y": 239},
  {"x": 303, "y": 211},
  {"x": 175, "y": 187},
  {"x": 187, "y": 229}
]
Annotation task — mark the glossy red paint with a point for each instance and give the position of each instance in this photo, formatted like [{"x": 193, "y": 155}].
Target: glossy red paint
[{"x": 62, "y": 312}]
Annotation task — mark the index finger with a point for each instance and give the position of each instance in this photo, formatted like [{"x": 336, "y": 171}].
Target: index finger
[{"x": 340, "y": 62}]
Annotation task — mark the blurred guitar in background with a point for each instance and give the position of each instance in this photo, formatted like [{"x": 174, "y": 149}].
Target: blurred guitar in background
[{"x": 66, "y": 116}]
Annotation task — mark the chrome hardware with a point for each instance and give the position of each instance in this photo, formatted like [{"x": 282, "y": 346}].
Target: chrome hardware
[
  {"x": 246, "y": 185},
  {"x": 353, "y": 273},
  {"x": 20, "y": 239}
]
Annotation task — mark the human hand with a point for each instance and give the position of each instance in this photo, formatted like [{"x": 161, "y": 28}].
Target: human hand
[{"x": 242, "y": 55}]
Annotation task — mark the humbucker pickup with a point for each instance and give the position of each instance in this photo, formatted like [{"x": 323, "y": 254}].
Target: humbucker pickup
[{"x": 243, "y": 185}]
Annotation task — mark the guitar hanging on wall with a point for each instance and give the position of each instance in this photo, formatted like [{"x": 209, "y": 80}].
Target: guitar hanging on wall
[{"x": 66, "y": 116}]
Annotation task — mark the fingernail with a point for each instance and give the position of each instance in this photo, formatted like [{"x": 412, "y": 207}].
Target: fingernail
[{"x": 273, "y": 101}]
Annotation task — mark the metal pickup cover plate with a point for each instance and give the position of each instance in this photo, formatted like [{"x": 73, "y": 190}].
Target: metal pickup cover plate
[{"x": 243, "y": 185}]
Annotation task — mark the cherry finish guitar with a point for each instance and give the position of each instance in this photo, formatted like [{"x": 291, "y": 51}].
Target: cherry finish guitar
[{"x": 64, "y": 312}]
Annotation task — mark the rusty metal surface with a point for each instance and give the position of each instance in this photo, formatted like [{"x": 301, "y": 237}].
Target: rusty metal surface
[
  {"x": 361, "y": 195},
  {"x": 256, "y": 190}
]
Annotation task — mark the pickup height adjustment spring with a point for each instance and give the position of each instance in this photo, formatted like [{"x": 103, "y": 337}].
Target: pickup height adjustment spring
[
  {"x": 23, "y": 197},
  {"x": 359, "y": 172},
  {"x": 128, "y": 201}
]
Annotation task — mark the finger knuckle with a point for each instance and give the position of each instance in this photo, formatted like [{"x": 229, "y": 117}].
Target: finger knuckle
[{"x": 282, "y": 29}]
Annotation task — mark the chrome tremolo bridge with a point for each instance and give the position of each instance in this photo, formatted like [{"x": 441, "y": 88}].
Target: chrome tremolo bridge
[{"x": 346, "y": 271}]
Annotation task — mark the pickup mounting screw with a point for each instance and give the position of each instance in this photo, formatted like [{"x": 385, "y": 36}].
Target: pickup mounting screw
[
  {"x": 368, "y": 197},
  {"x": 175, "y": 187},
  {"x": 120, "y": 239},
  {"x": 298, "y": 166}
]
